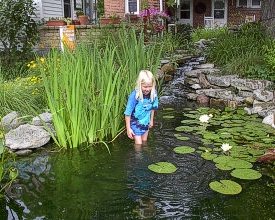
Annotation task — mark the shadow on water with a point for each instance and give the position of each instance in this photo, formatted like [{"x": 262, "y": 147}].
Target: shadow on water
[{"x": 91, "y": 184}]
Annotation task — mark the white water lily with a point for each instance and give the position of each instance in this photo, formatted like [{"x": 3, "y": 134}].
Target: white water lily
[
  {"x": 226, "y": 147},
  {"x": 210, "y": 115},
  {"x": 204, "y": 118}
]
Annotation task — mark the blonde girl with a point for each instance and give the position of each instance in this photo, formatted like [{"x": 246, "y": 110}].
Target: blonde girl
[{"x": 140, "y": 108}]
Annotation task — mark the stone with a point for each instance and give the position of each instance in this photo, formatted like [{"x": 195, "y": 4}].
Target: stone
[
  {"x": 196, "y": 86},
  {"x": 269, "y": 120},
  {"x": 264, "y": 105},
  {"x": 206, "y": 66},
  {"x": 250, "y": 84},
  {"x": 196, "y": 72},
  {"x": 25, "y": 152},
  {"x": 217, "y": 93},
  {"x": 27, "y": 137},
  {"x": 192, "y": 96},
  {"x": 11, "y": 121},
  {"x": 168, "y": 69},
  {"x": 203, "y": 99},
  {"x": 191, "y": 81},
  {"x": 203, "y": 81},
  {"x": 262, "y": 95},
  {"x": 223, "y": 81},
  {"x": 46, "y": 117}
]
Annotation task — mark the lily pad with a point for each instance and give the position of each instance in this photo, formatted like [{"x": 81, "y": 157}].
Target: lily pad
[
  {"x": 168, "y": 116},
  {"x": 184, "y": 149},
  {"x": 162, "y": 167},
  {"x": 246, "y": 174},
  {"x": 208, "y": 156},
  {"x": 229, "y": 163},
  {"x": 184, "y": 128},
  {"x": 227, "y": 187}
]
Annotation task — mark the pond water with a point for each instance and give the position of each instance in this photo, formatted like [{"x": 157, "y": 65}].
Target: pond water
[{"x": 91, "y": 184}]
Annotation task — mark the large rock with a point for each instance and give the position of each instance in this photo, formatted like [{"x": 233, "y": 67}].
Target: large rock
[
  {"x": 11, "y": 121},
  {"x": 27, "y": 137},
  {"x": 263, "y": 95}
]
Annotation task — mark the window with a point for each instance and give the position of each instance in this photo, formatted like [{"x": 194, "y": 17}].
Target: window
[
  {"x": 185, "y": 10},
  {"x": 132, "y": 6},
  {"x": 249, "y": 3},
  {"x": 67, "y": 8}
]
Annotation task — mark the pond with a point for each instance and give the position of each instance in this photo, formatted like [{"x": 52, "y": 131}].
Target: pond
[{"x": 92, "y": 184}]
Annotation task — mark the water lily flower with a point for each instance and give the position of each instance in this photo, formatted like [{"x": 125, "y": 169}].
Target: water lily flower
[
  {"x": 204, "y": 118},
  {"x": 226, "y": 147},
  {"x": 210, "y": 115}
]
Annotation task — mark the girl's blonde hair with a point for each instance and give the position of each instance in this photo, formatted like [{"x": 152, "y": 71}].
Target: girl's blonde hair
[{"x": 145, "y": 76}]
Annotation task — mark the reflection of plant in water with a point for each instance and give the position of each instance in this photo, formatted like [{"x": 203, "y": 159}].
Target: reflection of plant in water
[{"x": 5, "y": 166}]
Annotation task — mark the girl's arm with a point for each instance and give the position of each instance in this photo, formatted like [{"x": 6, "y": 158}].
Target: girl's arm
[
  {"x": 151, "y": 124},
  {"x": 129, "y": 130}
]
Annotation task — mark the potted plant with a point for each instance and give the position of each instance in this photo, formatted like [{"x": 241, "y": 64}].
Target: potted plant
[
  {"x": 68, "y": 20},
  {"x": 57, "y": 21},
  {"x": 83, "y": 19},
  {"x": 112, "y": 19}
]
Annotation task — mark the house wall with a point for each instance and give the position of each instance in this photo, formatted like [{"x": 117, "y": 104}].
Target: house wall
[
  {"x": 118, "y": 7},
  {"x": 198, "y": 19},
  {"x": 236, "y": 16}
]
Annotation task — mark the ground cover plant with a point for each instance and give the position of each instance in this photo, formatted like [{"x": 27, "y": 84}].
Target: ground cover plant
[{"x": 246, "y": 53}]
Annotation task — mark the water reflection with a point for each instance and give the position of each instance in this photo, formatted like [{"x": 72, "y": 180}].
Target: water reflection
[{"x": 89, "y": 183}]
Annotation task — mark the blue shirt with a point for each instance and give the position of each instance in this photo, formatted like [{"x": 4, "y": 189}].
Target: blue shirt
[{"x": 140, "y": 112}]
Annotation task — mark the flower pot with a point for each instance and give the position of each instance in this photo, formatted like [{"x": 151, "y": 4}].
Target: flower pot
[
  {"x": 56, "y": 23},
  {"x": 83, "y": 19},
  {"x": 109, "y": 20}
]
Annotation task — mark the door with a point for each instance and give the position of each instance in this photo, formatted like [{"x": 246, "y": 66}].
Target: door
[
  {"x": 219, "y": 8},
  {"x": 185, "y": 13}
]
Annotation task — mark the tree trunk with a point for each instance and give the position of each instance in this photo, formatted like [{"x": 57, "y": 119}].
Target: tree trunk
[{"x": 268, "y": 15}]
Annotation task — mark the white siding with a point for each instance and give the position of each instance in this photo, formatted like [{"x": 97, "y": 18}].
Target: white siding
[{"x": 52, "y": 8}]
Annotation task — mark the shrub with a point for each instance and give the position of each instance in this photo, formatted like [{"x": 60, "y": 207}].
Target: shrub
[{"x": 18, "y": 31}]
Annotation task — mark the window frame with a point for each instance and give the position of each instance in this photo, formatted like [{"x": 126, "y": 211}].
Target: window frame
[
  {"x": 248, "y": 4},
  {"x": 127, "y": 6}
]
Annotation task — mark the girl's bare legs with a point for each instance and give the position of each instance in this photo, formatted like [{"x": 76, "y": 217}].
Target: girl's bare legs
[{"x": 140, "y": 139}]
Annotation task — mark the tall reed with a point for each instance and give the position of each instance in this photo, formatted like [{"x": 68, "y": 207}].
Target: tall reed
[{"x": 87, "y": 90}]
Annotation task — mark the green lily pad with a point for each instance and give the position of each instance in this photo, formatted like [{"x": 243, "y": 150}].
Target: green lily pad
[
  {"x": 182, "y": 138},
  {"x": 227, "y": 187},
  {"x": 162, "y": 167},
  {"x": 168, "y": 116},
  {"x": 208, "y": 155},
  {"x": 184, "y": 128},
  {"x": 184, "y": 149},
  {"x": 246, "y": 174},
  {"x": 168, "y": 109},
  {"x": 229, "y": 163}
]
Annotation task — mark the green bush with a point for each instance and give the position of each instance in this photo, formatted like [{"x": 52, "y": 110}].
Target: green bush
[
  {"x": 242, "y": 53},
  {"x": 18, "y": 31}
]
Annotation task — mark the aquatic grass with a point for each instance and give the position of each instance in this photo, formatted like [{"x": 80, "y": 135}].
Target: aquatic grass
[{"x": 87, "y": 90}]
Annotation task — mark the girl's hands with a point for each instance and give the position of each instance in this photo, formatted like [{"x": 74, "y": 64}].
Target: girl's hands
[{"x": 130, "y": 133}]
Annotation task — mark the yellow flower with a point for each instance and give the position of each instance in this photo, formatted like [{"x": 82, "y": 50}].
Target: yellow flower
[{"x": 42, "y": 60}]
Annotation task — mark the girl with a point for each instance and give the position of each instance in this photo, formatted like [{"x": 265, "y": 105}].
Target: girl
[{"x": 140, "y": 108}]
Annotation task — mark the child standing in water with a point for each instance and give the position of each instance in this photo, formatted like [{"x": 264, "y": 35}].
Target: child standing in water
[{"x": 141, "y": 106}]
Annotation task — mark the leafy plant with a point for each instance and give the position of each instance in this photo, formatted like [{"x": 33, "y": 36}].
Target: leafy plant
[
  {"x": 14, "y": 94},
  {"x": 6, "y": 162},
  {"x": 86, "y": 94},
  {"x": 18, "y": 31}
]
